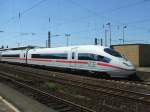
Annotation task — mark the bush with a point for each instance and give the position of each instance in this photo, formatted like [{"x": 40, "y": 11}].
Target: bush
[{"x": 52, "y": 86}]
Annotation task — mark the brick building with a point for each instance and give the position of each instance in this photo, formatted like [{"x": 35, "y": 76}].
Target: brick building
[{"x": 138, "y": 54}]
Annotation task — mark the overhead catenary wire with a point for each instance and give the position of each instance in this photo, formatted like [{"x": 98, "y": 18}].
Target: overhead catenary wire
[
  {"x": 138, "y": 21},
  {"x": 132, "y": 22},
  {"x": 23, "y": 12},
  {"x": 77, "y": 4},
  {"x": 125, "y": 6},
  {"x": 95, "y": 13},
  {"x": 100, "y": 14}
]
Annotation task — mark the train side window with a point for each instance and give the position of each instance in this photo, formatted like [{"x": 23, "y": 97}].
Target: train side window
[
  {"x": 51, "y": 56},
  {"x": 73, "y": 55},
  {"x": 11, "y": 55},
  {"x": 86, "y": 56}
]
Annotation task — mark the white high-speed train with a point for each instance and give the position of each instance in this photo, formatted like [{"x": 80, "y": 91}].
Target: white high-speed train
[{"x": 93, "y": 58}]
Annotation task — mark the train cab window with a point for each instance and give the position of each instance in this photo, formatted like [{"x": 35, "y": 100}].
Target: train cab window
[
  {"x": 99, "y": 58},
  {"x": 113, "y": 52},
  {"x": 73, "y": 55},
  {"x": 103, "y": 59}
]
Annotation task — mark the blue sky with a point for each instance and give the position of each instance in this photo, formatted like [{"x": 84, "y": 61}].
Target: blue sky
[{"x": 83, "y": 19}]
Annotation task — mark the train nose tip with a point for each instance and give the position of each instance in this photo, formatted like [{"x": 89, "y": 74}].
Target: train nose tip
[{"x": 128, "y": 65}]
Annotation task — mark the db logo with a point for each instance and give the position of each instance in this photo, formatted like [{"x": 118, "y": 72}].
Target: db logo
[{"x": 92, "y": 64}]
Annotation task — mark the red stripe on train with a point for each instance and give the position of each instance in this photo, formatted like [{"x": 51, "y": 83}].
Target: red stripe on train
[
  {"x": 66, "y": 61},
  {"x": 108, "y": 65}
]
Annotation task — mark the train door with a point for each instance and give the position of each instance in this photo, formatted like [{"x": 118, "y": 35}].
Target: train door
[
  {"x": 22, "y": 56},
  {"x": 27, "y": 55},
  {"x": 92, "y": 63},
  {"x": 0, "y": 55},
  {"x": 73, "y": 57}
]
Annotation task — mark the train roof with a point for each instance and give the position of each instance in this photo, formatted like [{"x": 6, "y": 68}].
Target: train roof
[
  {"x": 20, "y": 48},
  {"x": 94, "y": 47},
  {"x": 83, "y": 48},
  {"x": 77, "y": 46}
]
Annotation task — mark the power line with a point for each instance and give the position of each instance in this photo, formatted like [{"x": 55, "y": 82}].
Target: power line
[
  {"x": 138, "y": 21},
  {"x": 32, "y": 7},
  {"x": 23, "y": 12},
  {"x": 107, "y": 11},
  {"x": 125, "y": 6}
]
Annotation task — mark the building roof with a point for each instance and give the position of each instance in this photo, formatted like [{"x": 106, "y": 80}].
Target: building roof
[{"x": 131, "y": 44}]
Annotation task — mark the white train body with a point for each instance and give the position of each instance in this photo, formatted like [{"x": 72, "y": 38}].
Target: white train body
[{"x": 88, "y": 57}]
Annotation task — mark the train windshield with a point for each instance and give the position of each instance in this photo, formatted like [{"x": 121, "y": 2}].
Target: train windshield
[{"x": 113, "y": 52}]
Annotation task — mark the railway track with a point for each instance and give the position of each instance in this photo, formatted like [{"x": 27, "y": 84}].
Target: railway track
[
  {"x": 101, "y": 87},
  {"x": 141, "y": 96},
  {"x": 48, "y": 99},
  {"x": 135, "y": 86}
]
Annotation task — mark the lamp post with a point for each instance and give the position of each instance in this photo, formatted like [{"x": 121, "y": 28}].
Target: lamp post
[
  {"x": 124, "y": 27},
  {"x": 120, "y": 40},
  {"x": 67, "y": 36},
  {"x": 109, "y": 25},
  {"x": 48, "y": 44},
  {"x": 106, "y": 37},
  {"x": 1, "y": 31}
]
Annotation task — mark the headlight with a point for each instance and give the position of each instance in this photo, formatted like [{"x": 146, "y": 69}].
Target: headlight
[{"x": 126, "y": 64}]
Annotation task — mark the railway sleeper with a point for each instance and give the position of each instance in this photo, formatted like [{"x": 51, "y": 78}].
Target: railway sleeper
[
  {"x": 59, "y": 106},
  {"x": 68, "y": 109}
]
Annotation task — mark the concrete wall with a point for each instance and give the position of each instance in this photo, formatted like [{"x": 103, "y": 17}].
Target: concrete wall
[
  {"x": 131, "y": 52},
  {"x": 138, "y": 54},
  {"x": 144, "y": 55}
]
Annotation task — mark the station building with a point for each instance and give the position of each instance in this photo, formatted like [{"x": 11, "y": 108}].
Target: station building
[{"x": 138, "y": 54}]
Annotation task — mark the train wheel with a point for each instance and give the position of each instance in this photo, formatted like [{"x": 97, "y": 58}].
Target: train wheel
[
  {"x": 134, "y": 77},
  {"x": 102, "y": 75}
]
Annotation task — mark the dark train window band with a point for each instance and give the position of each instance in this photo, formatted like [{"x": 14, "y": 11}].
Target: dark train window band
[
  {"x": 11, "y": 55},
  {"x": 51, "y": 56},
  {"x": 93, "y": 57}
]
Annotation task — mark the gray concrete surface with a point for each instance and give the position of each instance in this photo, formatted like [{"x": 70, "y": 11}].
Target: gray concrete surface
[
  {"x": 6, "y": 106},
  {"x": 143, "y": 73},
  {"x": 144, "y": 69},
  {"x": 22, "y": 102}
]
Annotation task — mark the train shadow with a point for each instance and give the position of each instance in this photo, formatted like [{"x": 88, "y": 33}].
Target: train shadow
[{"x": 132, "y": 77}]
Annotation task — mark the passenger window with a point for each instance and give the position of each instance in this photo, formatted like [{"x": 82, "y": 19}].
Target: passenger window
[
  {"x": 86, "y": 56},
  {"x": 51, "y": 56}
]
